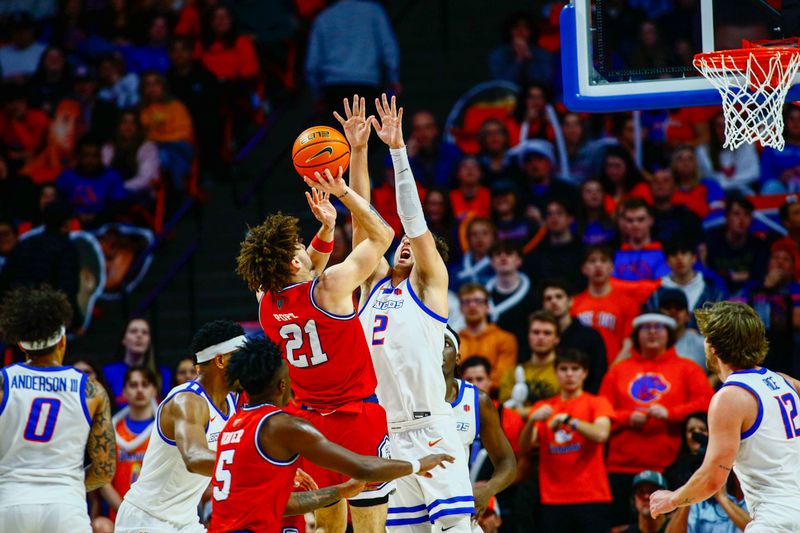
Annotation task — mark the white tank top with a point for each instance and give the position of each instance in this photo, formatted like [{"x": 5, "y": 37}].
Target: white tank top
[
  {"x": 768, "y": 462},
  {"x": 165, "y": 489},
  {"x": 406, "y": 341},
  {"x": 466, "y": 411},
  {"x": 44, "y": 426}
]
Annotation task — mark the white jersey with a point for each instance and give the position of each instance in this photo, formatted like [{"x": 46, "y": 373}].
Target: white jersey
[
  {"x": 467, "y": 412},
  {"x": 44, "y": 426},
  {"x": 769, "y": 455},
  {"x": 406, "y": 341},
  {"x": 165, "y": 489}
]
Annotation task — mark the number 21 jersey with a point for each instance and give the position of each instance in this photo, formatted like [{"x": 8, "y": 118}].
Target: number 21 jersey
[{"x": 328, "y": 357}]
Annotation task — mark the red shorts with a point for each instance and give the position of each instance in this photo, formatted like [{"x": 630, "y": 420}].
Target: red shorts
[{"x": 364, "y": 432}]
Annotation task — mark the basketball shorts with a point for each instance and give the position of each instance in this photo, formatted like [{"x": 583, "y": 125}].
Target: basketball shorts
[
  {"x": 774, "y": 519},
  {"x": 37, "y": 517},
  {"x": 131, "y": 519},
  {"x": 419, "y": 499},
  {"x": 361, "y": 430}
]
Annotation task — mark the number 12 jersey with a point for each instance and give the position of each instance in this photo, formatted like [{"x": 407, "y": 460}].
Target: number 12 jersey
[{"x": 328, "y": 357}]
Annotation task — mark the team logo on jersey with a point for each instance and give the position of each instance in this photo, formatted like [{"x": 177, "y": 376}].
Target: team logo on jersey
[
  {"x": 562, "y": 435},
  {"x": 648, "y": 387},
  {"x": 279, "y": 303}
]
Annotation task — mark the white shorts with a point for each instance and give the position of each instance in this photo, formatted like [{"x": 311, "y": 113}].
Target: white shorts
[
  {"x": 420, "y": 500},
  {"x": 38, "y": 517},
  {"x": 131, "y": 519}
]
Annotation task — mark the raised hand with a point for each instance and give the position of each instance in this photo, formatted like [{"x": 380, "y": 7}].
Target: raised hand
[
  {"x": 390, "y": 127},
  {"x": 327, "y": 183},
  {"x": 321, "y": 208},
  {"x": 356, "y": 127},
  {"x": 429, "y": 462}
]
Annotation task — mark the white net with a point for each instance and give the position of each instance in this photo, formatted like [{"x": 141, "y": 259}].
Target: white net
[{"x": 752, "y": 94}]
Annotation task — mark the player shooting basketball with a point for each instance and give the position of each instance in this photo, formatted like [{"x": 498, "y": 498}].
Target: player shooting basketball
[
  {"x": 313, "y": 320},
  {"x": 409, "y": 301}
]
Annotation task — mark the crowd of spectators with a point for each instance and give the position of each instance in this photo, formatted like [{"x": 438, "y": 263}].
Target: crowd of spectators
[{"x": 578, "y": 252}]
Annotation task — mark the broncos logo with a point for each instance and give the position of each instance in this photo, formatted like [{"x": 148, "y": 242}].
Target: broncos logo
[{"x": 648, "y": 387}]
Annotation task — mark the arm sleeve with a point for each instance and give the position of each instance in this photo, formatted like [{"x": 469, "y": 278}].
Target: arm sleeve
[{"x": 409, "y": 206}]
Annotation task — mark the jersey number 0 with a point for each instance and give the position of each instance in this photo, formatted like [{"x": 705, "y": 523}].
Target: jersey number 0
[{"x": 296, "y": 353}]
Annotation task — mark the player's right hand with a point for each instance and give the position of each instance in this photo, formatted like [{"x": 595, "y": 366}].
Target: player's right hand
[
  {"x": 350, "y": 488},
  {"x": 357, "y": 127},
  {"x": 327, "y": 182},
  {"x": 429, "y": 462}
]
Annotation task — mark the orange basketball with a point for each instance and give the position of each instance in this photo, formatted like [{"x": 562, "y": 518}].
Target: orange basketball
[{"x": 318, "y": 148}]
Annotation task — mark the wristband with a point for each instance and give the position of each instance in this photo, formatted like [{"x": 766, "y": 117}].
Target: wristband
[
  {"x": 574, "y": 424},
  {"x": 415, "y": 465},
  {"x": 323, "y": 247}
]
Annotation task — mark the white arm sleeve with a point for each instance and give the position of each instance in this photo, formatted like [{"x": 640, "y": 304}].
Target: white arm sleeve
[{"x": 409, "y": 208}]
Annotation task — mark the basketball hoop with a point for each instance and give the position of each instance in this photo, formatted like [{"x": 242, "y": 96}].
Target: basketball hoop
[{"x": 753, "y": 82}]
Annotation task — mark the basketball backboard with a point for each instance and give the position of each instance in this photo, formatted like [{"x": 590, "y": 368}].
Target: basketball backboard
[{"x": 622, "y": 55}]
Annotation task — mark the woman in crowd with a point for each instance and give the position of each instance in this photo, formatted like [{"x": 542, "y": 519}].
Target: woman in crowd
[
  {"x": 135, "y": 350},
  {"x": 595, "y": 225},
  {"x": 185, "y": 371},
  {"x": 470, "y": 197},
  {"x": 700, "y": 195},
  {"x": 690, "y": 454},
  {"x": 166, "y": 121},
  {"x": 52, "y": 80},
  {"x": 621, "y": 178},
  {"x": 134, "y": 157},
  {"x": 733, "y": 170},
  {"x": 494, "y": 141}
]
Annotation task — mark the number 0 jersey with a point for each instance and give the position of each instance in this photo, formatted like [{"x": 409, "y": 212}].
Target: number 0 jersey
[
  {"x": 769, "y": 453},
  {"x": 44, "y": 425},
  {"x": 328, "y": 356},
  {"x": 250, "y": 487}
]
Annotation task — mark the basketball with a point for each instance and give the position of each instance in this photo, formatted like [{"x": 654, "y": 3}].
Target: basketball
[{"x": 318, "y": 148}]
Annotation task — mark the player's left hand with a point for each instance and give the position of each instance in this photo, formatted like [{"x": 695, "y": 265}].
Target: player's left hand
[
  {"x": 350, "y": 488},
  {"x": 390, "y": 127},
  {"x": 661, "y": 503},
  {"x": 304, "y": 481},
  {"x": 357, "y": 127},
  {"x": 322, "y": 208},
  {"x": 482, "y": 495}
]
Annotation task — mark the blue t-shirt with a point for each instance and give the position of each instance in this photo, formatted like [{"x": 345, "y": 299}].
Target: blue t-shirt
[
  {"x": 635, "y": 265},
  {"x": 710, "y": 517},
  {"x": 91, "y": 194}
]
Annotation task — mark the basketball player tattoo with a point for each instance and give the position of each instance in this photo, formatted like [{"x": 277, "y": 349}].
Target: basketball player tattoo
[
  {"x": 305, "y": 502},
  {"x": 101, "y": 445},
  {"x": 724, "y": 467}
]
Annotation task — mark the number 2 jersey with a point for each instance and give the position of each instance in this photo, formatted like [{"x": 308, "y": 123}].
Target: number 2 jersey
[
  {"x": 328, "y": 357},
  {"x": 44, "y": 426},
  {"x": 250, "y": 488}
]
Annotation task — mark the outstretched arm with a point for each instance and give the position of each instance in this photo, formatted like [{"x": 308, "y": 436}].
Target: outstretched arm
[
  {"x": 357, "y": 129},
  {"x": 429, "y": 267},
  {"x": 339, "y": 281},
  {"x": 189, "y": 415},
  {"x": 101, "y": 446},
  {"x": 323, "y": 210},
  {"x": 725, "y": 419},
  {"x": 500, "y": 453},
  {"x": 310, "y": 500},
  {"x": 291, "y": 435}
]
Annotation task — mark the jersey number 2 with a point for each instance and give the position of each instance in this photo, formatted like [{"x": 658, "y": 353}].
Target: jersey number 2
[
  {"x": 379, "y": 330},
  {"x": 223, "y": 476},
  {"x": 42, "y": 419},
  {"x": 789, "y": 415},
  {"x": 295, "y": 341}
]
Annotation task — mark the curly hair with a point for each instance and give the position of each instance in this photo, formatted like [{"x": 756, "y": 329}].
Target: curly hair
[
  {"x": 267, "y": 251},
  {"x": 29, "y": 314},
  {"x": 736, "y": 333},
  {"x": 212, "y": 333},
  {"x": 255, "y": 365}
]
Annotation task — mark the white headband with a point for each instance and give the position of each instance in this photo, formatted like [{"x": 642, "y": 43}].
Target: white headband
[
  {"x": 43, "y": 344},
  {"x": 453, "y": 339},
  {"x": 227, "y": 346},
  {"x": 654, "y": 318}
]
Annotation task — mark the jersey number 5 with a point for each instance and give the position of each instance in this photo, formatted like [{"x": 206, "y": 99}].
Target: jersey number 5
[
  {"x": 295, "y": 341},
  {"x": 789, "y": 415},
  {"x": 223, "y": 476}
]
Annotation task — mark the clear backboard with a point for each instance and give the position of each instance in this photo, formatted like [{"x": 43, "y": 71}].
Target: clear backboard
[{"x": 621, "y": 55}]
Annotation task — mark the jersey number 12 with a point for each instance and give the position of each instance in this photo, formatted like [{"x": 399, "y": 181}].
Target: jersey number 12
[
  {"x": 295, "y": 342},
  {"x": 789, "y": 414}
]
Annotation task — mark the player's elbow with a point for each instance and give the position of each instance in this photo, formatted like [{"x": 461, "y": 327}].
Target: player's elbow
[{"x": 387, "y": 236}]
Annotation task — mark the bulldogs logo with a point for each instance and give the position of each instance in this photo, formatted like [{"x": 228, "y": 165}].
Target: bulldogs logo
[{"x": 648, "y": 387}]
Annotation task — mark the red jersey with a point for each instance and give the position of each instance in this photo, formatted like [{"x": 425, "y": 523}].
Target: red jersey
[
  {"x": 130, "y": 454},
  {"x": 250, "y": 489},
  {"x": 571, "y": 468},
  {"x": 329, "y": 360}
]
